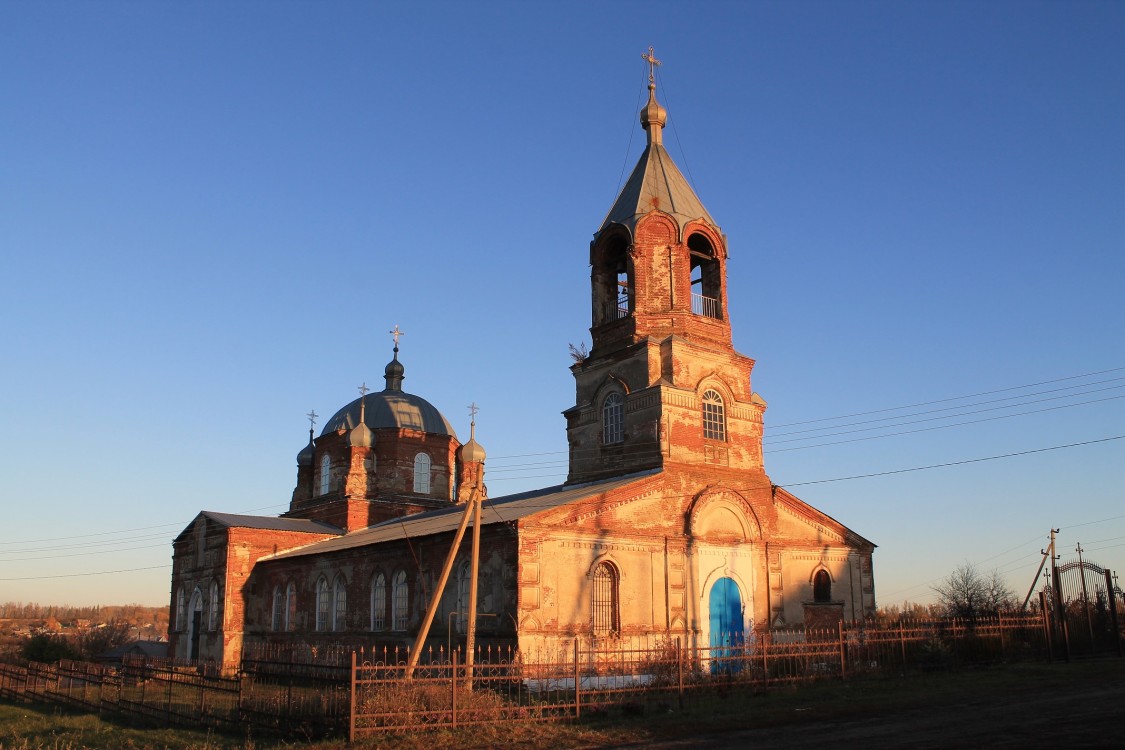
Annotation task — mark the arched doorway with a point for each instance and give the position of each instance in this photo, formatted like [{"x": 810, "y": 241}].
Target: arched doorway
[
  {"x": 727, "y": 627},
  {"x": 195, "y": 624}
]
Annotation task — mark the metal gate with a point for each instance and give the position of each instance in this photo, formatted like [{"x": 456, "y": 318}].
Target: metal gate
[{"x": 1085, "y": 604}]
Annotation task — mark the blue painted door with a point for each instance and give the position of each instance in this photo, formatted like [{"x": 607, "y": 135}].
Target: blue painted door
[{"x": 725, "y": 605}]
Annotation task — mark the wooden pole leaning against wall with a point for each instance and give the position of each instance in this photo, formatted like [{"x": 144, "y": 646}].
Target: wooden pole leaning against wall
[
  {"x": 471, "y": 624},
  {"x": 431, "y": 610}
]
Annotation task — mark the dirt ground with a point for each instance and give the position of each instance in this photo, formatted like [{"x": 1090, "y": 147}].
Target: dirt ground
[{"x": 1088, "y": 714}]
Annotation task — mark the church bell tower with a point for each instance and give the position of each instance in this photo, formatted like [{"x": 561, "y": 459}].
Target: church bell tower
[{"x": 662, "y": 383}]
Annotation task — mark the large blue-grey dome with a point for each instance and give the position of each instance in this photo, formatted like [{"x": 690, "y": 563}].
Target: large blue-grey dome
[{"x": 395, "y": 409}]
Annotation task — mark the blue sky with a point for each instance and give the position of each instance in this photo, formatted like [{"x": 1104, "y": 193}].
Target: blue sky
[{"x": 212, "y": 213}]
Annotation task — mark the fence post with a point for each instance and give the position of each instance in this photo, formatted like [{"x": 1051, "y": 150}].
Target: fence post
[
  {"x": 351, "y": 703},
  {"x": 1047, "y": 636},
  {"x": 680, "y": 668},
  {"x": 1003, "y": 651},
  {"x": 171, "y": 684},
  {"x": 1111, "y": 598},
  {"x": 902, "y": 644},
  {"x": 453, "y": 689},
  {"x": 843, "y": 658},
  {"x": 202, "y": 698},
  {"x": 577, "y": 683},
  {"x": 765, "y": 659}
]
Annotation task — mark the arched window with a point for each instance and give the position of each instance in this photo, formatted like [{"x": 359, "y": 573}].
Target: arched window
[
  {"x": 714, "y": 420},
  {"x": 325, "y": 474},
  {"x": 464, "y": 580},
  {"x": 340, "y": 610},
  {"x": 181, "y": 596},
  {"x": 290, "y": 607},
  {"x": 400, "y": 602},
  {"x": 277, "y": 622},
  {"x": 612, "y": 279},
  {"x": 706, "y": 278},
  {"x": 422, "y": 473},
  {"x": 613, "y": 419},
  {"x": 822, "y": 586},
  {"x": 213, "y": 606},
  {"x": 604, "y": 600},
  {"x": 379, "y": 602},
  {"x": 322, "y": 604}
]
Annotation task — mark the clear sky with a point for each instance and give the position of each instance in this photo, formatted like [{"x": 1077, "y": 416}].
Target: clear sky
[{"x": 211, "y": 214}]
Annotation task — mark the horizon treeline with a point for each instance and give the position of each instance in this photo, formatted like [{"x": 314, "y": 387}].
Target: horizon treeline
[{"x": 99, "y": 612}]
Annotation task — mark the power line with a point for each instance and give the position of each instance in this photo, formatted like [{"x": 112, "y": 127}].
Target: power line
[
  {"x": 952, "y": 398},
  {"x": 942, "y": 427},
  {"x": 773, "y": 437},
  {"x": 80, "y": 575}
]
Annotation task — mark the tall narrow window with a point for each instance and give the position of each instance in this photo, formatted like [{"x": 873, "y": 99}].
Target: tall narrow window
[
  {"x": 290, "y": 607},
  {"x": 422, "y": 473},
  {"x": 400, "y": 602},
  {"x": 325, "y": 474},
  {"x": 464, "y": 580},
  {"x": 604, "y": 600},
  {"x": 714, "y": 420},
  {"x": 340, "y": 610},
  {"x": 180, "y": 597},
  {"x": 379, "y": 603},
  {"x": 822, "y": 586},
  {"x": 213, "y": 606},
  {"x": 613, "y": 419},
  {"x": 278, "y": 621},
  {"x": 322, "y": 604}
]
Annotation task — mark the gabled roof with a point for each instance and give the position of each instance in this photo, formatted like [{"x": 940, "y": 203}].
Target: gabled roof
[
  {"x": 495, "y": 510},
  {"x": 266, "y": 523},
  {"x": 656, "y": 185}
]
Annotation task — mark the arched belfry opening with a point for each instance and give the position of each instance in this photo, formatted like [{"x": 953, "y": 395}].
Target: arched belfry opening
[
  {"x": 706, "y": 278},
  {"x": 612, "y": 279}
]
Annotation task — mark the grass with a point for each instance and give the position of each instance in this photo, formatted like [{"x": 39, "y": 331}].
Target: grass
[{"x": 25, "y": 727}]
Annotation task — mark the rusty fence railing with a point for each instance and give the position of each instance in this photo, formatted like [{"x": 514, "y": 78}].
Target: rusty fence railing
[{"x": 302, "y": 691}]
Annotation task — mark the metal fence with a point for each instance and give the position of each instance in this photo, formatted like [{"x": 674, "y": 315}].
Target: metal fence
[{"x": 305, "y": 691}]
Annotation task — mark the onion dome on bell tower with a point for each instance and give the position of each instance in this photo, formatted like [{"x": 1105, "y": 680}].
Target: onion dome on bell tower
[{"x": 471, "y": 456}]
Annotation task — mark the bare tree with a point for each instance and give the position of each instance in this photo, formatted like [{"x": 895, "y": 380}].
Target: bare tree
[{"x": 968, "y": 594}]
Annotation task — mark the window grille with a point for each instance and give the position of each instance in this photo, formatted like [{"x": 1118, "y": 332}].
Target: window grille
[
  {"x": 290, "y": 607},
  {"x": 379, "y": 603},
  {"x": 180, "y": 596},
  {"x": 400, "y": 601},
  {"x": 340, "y": 618},
  {"x": 278, "y": 619},
  {"x": 325, "y": 474},
  {"x": 605, "y": 610},
  {"x": 464, "y": 577},
  {"x": 213, "y": 607},
  {"x": 714, "y": 420},
  {"x": 422, "y": 473},
  {"x": 613, "y": 419},
  {"x": 322, "y": 604}
]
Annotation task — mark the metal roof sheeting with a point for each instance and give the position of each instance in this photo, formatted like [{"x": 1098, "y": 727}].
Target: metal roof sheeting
[{"x": 496, "y": 510}]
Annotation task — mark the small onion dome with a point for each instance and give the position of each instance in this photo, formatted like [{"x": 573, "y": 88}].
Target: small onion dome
[
  {"x": 305, "y": 457},
  {"x": 361, "y": 436},
  {"x": 653, "y": 114},
  {"x": 472, "y": 452}
]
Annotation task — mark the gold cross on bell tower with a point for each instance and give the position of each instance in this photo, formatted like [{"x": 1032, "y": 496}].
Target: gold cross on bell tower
[
  {"x": 395, "y": 334},
  {"x": 650, "y": 58}
]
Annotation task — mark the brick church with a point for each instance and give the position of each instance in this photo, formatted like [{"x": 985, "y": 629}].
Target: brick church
[{"x": 667, "y": 524}]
